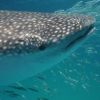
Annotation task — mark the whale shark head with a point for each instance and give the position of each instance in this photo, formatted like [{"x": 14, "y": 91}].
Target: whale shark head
[
  {"x": 33, "y": 42},
  {"x": 68, "y": 29}
]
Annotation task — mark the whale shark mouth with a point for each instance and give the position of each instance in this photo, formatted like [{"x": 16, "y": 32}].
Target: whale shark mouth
[
  {"x": 80, "y": 38},
  {"x": 32, "y": 42}
]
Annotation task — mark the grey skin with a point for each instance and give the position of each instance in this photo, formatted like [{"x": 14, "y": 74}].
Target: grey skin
[{"x": 32, "y": 42}]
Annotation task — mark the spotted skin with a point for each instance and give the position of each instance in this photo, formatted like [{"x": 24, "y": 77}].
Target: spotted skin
[{"x": 29, "y": 31}]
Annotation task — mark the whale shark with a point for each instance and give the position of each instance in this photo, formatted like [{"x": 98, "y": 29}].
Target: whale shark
[{"x": 31, "y": 42}]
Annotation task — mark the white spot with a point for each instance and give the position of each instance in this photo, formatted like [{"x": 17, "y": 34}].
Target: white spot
[
  {"x": 17, "y": 26},
  {"x": 69, "y": 26},
  {"x": 30, "y": 26},
  {"x": 22, "y": 43},
  {"x": 80, "y": 26},
  {"x": 4, "y": 47},
  {"x": 3, "y": 35},
  {"x": 64, "y": 28},
  {"x": 0, "y": 40},
  {"x": 67, "y": 32},
  {"x": 10, "y": 43},
  {"x": 27, "y": 34},
  {"x": 72, "y": 28},
  {"x": 58, "y": 28},
  {"x": 9, "y": 32},
  {"x": 56, "y": 31},
  {"x": 5, "y": 41}
]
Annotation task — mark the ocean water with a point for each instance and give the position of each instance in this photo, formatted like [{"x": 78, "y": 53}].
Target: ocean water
[{"x": 75, "y": 78}]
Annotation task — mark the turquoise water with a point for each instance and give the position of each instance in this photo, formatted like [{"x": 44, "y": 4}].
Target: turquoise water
[{"x": 75, "y": 78}]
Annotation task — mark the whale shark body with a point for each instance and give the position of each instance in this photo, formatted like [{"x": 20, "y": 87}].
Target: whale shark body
[{"x": 31, "y": 42}]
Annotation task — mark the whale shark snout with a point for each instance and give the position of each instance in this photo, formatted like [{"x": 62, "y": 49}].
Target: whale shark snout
[
  {"x": 87, "y": 20},
  {"x": 32, "y": 42}
]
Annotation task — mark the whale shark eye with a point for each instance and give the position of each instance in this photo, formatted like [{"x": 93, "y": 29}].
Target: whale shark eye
[{"x": 42, "y": 47}]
